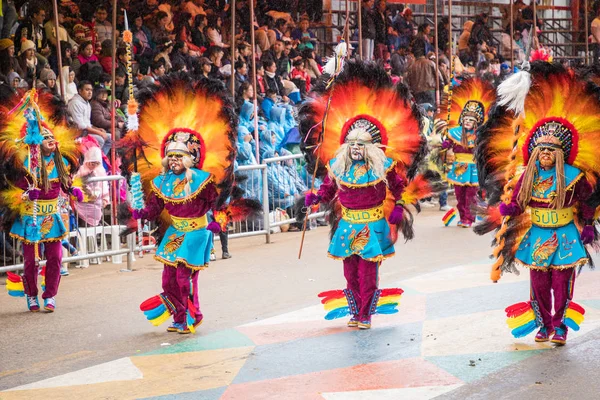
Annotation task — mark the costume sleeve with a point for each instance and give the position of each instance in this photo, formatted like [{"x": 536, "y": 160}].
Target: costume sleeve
[
  {"x": 583, "y": 190},
  {"x": 448, "y": 144},
  {"x": 395, "y": 184},
  {"x": 209, "y": 195},
  {"x": 327, "y": 190},
  {"x": 154, "y": 207}
]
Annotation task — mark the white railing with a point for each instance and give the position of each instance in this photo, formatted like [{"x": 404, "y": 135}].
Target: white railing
[{"x": 262, "y": 176}]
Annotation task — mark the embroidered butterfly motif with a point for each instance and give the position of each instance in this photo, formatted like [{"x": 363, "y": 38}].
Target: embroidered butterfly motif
[
  {"x": 541, "y": 186},
  {"x": 174, "y": 243},
  {"x": 179, "y": 186},
  {"x": 360, "y": 171},
  {"x": 460, "y": 168},
  {"x": 542, "y": 252},
  {"x": 50, "y": 167},
  {"x": 47, "y": 224},
  {"x": 359, "y": 240}
]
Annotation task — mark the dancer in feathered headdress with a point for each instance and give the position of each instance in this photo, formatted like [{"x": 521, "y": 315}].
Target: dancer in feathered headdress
[
  {"x": 37, "y": 150},
  {"x": 186, "y": 163},
  {"x": 471, "y": 102},
  {"x": 368, "y": 136},
  {"x": 544, "y": 218}
]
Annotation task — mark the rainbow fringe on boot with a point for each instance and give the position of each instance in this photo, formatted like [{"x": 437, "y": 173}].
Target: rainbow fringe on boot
[
  {"x": 523, "y": 318},
  {"x": 14, "y": 283},
  {"x": 449, "y": 217},
  {"x": 574, "y": 315},
  {"x": 159, "y": 308},
  {"x": 341, "y": 303}
]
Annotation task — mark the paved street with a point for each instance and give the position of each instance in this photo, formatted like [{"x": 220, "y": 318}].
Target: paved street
[{"x": 264, "y": 336}]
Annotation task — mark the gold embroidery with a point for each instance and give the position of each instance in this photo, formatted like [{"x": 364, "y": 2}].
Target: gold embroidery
[
  {"x": 47, "y": 225},
  {"x": 542, "y": 252},
  {"x": 360, "y": 240},
  {"x": 179, "y": 186},
  {"x": 174, "y": 243},
  {"x": 540, "y": 186},
  {"x": 460, "y": 168}
]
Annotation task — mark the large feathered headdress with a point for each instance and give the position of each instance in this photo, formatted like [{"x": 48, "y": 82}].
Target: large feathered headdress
[
  {"x": 561, "y": 109},
  {"x": 473, "y": 97},
  {"x": 362, "y": 96},
  {"x": 197, "y": 114}
]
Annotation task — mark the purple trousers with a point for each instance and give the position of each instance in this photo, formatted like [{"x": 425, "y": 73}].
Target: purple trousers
[
  {"x": 362, "y": 278},
  {"x": 465, "y": 196},
  {"x": 560, "y": 282},
  {"x": 180, "y": 284},
  {"x": 53, "y": 253}
]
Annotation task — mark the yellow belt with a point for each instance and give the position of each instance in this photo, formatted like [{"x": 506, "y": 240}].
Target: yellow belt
[
  {"x": 363, "y": 216},
  {"x": 43, "y": 207},
  {"x": 548, "y": 218},
  {"x": 464, "y": 158},
  {"x": 189, "y": 224}
]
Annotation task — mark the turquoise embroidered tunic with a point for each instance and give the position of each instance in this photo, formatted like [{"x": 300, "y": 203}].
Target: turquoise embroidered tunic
[
  {"x": 553, "y": 241},
  {"x": 464, "y": 169},
  {"x": 47, "y": 226}
]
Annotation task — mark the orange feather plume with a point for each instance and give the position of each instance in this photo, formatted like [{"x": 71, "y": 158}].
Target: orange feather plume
[
  {"x": 402, "y": 132},
  {"x": 469, "y": 89}
]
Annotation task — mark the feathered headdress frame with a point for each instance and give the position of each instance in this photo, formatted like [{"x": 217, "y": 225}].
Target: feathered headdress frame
[
  {"x": 559, "y": 103},
  {"x": 473, "y": 97},
  {"x": 197, "y": 113},
  {"x": 13, "y": 126},
  {"x": 362, "y": 96}
]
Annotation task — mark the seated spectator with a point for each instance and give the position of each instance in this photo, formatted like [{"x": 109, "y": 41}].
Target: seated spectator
[
  {"x": 312, "y": 67},
  {"x": 463, "y": 40},
  {"x": 28, "y": 61},
  {"x": 105, "y": 57},
  {"x": 86, "y": 55},
  {"x": 261, "y": 85},
  {"x": 198, "y": 36},
  {"x": 277, "y": 55},
  {"x": 47, "y": 82},
  {"x": 102, "y": 27},
  {"x": 164, "y": 47},
  {"x": 32, "y": 29},
  {"x": 272, "y": 80},
  {"x": 157, "y": 70},
  {"x": 63, "y": 35},
  {"x": 101, "y": 113},
  {"x": 303, "y": 37},
  {"x": 143, "y": 43},
  {"x": 246, "y": 149},
  {"x": 300, "y": 77},
  {"x": 215, "y": 55},
  {"x": 244, "y": 51},
  {"x": 181, "y": 56},
  {"x": 183, "y": 33},
  {"x": 69, "y": 85},
  {"x": 66, "y": 50},
  {"x": 423, "y": 34},
  {"x": 80, "y": 111},
  {"x": 121, "y": 89},
  {"x": 96, "y": 194},
  {"x": 8, "y": 61},
  {"x": 205, "y": 66},
  {"x": 159, "y": 27},
  {"x": 213, "y": 31},
  {"x": 14, "y": 81},
  {"x": 241, "y": 74},
  {"x": 405, "y": 26}
]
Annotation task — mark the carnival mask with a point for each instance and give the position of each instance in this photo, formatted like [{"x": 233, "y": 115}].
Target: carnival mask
[
  {"x": 547, "y": 157},
  {"x": 469, "y": 123},
  {"x": 357, "y": 150}
]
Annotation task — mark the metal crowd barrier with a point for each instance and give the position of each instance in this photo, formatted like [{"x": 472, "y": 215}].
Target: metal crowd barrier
[{"x": 277, "y": 181}]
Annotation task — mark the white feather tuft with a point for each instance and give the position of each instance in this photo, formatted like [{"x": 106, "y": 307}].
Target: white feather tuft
[
  {"x": 335, "y": 63},
  {"x": 513, "y": 91},
  {"x": 132, "y": 122}
]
